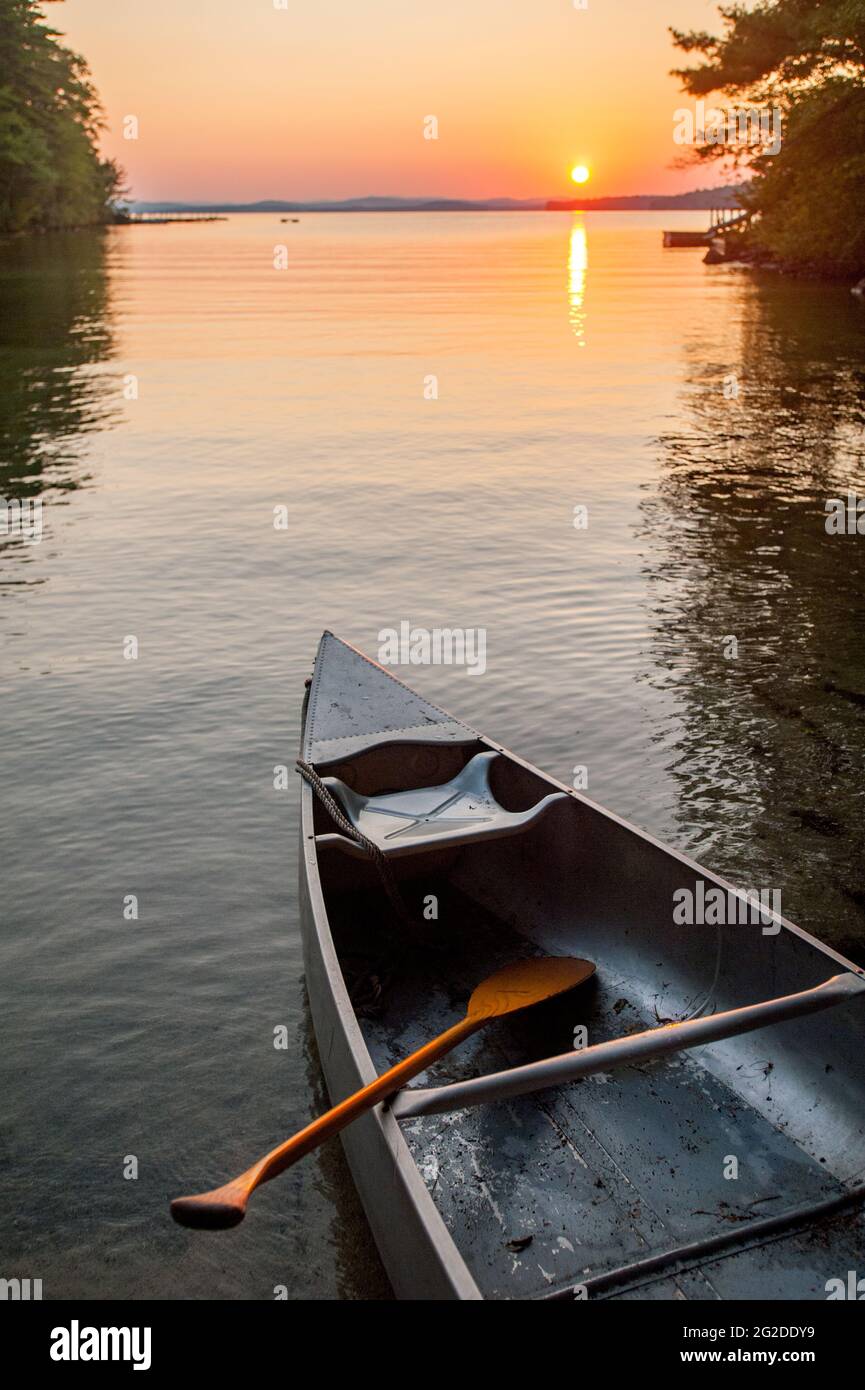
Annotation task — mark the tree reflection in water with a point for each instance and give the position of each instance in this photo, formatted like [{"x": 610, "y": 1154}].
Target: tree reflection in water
[
  {"x": 55, "y": 337},
  {"x": 770, "y": 747}
]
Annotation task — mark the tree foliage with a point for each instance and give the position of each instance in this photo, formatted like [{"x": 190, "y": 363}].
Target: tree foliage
[
  {"x": 807, "y": 59},
  {"x": 51, "y": 174}
]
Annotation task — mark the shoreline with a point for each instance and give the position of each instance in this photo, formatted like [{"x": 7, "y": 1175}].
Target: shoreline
[
  {"x": 723, "y": 250},
  {"x": 791, "y": 270}
]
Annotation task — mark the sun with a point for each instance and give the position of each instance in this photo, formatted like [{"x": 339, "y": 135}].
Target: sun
[{"x": 580, "y": 173}]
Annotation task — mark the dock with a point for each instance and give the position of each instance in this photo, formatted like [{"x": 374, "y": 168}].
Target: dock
[{"x": 721, "y": 220}]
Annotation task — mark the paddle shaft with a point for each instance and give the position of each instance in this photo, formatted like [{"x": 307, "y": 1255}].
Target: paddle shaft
[{"x": 341, "y": 1115}]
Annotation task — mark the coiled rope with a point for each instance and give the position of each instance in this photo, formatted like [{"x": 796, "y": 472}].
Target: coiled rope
[{"x": 376, "y": 854}]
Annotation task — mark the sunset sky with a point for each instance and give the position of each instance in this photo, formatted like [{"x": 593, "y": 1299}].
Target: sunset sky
[{"x": 240, "y": 100}]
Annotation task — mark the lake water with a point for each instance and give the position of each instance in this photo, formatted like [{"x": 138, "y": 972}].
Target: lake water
[{"x": 577, "y": 364}]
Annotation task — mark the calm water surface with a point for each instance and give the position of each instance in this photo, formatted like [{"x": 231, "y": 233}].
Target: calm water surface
[{"x": 577, "y": 364}]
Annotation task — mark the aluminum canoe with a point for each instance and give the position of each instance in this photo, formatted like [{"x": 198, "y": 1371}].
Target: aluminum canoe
[{"x": 692, "y": 1125}]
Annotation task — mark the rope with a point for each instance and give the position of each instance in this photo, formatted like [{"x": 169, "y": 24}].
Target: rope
[{"x": 376, "y": 854}]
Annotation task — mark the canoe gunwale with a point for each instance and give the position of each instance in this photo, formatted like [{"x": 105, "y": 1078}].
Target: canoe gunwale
[
  {"x": 389, "y": 1142},
  {"x": 709, "y": 875}
]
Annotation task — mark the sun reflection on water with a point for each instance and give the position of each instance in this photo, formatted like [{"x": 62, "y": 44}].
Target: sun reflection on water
[{"x": 578, "y": 261}]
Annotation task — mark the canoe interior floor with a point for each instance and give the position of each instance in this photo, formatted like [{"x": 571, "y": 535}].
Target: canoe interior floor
[{"x": 549, "y": 1189}]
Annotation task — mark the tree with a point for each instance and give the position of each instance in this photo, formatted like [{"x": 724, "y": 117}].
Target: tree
[
  {"x": 51, "y": 174},
  {"x": 805, "y": 59}
]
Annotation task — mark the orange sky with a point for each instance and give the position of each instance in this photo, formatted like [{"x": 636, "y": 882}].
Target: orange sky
[{"x": 239, "y": 100}]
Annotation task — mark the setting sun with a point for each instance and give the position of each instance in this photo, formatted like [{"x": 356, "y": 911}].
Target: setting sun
[{"x": 579, "y": 173}]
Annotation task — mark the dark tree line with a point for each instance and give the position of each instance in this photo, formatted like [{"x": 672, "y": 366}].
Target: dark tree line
[
  {"x": 806, "y": 57},
  {"x": 51, "y": 174}
]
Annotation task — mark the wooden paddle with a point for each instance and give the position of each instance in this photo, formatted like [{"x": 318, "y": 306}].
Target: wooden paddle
[{"x": 517, "y": 986}]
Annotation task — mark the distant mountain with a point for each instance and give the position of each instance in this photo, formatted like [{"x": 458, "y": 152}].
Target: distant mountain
[
  {"x": 702, "y": 198},
  {"x": 368, "y": 204}
]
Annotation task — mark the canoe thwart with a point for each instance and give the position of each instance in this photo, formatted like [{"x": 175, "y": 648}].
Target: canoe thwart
[
  {"x": 637, "y": 1048},
  {"x": 454, "y": 813}
]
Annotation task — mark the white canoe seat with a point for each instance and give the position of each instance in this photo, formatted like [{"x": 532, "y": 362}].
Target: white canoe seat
[{"x": 454, "y": 813}]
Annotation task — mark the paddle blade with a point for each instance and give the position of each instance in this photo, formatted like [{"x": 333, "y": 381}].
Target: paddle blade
[
  {"x": 527, "y": 982},
  {"x": 212, "y": 1211}
]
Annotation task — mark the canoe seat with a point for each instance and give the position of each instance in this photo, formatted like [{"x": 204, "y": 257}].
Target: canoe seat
[{"x": 454, "y": 813}]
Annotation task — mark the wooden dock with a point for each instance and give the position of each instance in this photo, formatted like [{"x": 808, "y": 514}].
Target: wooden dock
[{"x": 721, "y": 220}]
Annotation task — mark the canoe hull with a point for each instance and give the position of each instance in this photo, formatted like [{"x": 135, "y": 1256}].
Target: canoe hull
[{"x": 415, "y": 1246}]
